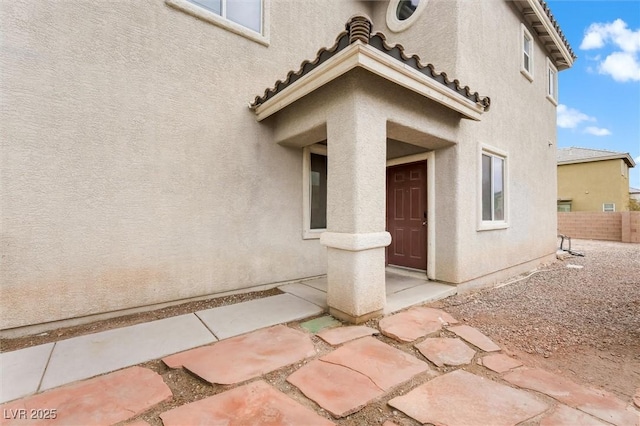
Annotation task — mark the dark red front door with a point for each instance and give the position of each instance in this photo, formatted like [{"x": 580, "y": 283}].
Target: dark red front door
[{"x": 407, "y": 215}]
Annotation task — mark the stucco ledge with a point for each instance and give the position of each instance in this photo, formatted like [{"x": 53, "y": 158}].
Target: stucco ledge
[{"x": 355, "y": 242}]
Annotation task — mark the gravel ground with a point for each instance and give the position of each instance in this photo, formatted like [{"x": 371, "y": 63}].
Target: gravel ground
[{"x": 582, "y": 321}]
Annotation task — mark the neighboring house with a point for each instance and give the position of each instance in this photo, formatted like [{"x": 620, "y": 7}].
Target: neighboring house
[
  {"x": 133, "y": 172},
  {"x": 634, "y": 193},
  {"x": 593, "y": 180}
]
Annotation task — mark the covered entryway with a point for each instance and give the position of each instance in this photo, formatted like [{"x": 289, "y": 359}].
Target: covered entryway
[
  {"x": 407, "y": 215},
  {"x": 359, "y": 95}
]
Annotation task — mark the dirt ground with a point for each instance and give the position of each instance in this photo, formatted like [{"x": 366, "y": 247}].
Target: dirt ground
[{"x": 583, "y": 323}]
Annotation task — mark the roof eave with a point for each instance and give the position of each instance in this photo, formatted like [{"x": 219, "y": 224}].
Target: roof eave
[
  {"x": 626, "y": 157},
  {"x": 365, "y": 56},
  {"x": 560, "y": 53}
]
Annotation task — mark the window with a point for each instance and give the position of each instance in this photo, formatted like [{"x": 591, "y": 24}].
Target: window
[
  {"x": 314, "y": 191},
  {"x": 564, "y": 206},
  {"x": 527, "y": 53},
  {"x": 406, "y": 8},
  {"x": 247, "y": 13},
  {"x": 552, "y": 83},
  {"x": 401, "y": 14},
  {"x": 609, "y": 207},
  {"x": 247, "y": 18},
  {"x": 493, "y": 189}
]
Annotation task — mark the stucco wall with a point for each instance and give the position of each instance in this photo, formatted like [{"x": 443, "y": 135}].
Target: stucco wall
[
  {"x": 132, "y": 170},
  {"x": 521, "y": 123},
  {"x": 590, "y": 185}
]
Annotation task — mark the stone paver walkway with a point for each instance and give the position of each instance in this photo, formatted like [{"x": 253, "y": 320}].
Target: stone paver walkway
[{"x": 333, "y": 371}]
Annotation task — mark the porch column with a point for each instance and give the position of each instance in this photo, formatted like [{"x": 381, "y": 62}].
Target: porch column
[{"x": 356, "y": 236}]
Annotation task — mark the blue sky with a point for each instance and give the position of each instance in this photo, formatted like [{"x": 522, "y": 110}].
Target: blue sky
[{"x": 600, "y": 95}]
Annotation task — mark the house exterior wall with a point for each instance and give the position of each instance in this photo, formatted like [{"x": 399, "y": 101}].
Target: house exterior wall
[
  {"x": 590, "y": 185},
  {"x": 522, "y": 124},
  {"x": 133, "y": 172}
]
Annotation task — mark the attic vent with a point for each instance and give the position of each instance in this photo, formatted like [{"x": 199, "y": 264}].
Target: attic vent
[{"x": 359, "y": 28}]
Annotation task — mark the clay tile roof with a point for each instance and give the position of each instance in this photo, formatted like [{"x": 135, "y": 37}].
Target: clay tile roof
[
  {"x": 555, "y": 24},
  {"x": 358, "y": 28}
]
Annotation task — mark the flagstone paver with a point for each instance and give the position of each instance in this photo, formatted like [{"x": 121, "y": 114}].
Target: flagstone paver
[
  {"x": 22, "y": 371},
  {"x": 317, "y": 324},
  {"x": 384, "y": 365},
  {"x": 336, "y": 388},
  {"x": 339, "y": 335},
  {"x": 87, "y": 356},
  {"x": 414, "y": 323},
  {"x": 233, "y": 320},
  {"x": 636, "y": 398},
  {"x": 565, "y": 416},
  {"x": 103, "y": 400},
  {"x": 138, "y": 423},
  {"x": 389, "y": 423},
  {"x": 596, "y": 402},
  {"x": 255, "y": 403},
  {"x": 461, "y": 398},
  {"x": 475, "y": 337},
  {"x": 500, "y": 363},
  {"x": 445, "y": 351},
  {"x": 244, "y": 357}
]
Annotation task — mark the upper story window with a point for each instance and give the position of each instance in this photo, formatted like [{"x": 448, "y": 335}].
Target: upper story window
[
  {"x": 609, "y": 207},
  {"x": 527, "y": 52},
  {"x": 247, "y": 13},
  {"x": 401, "y": 14},
  {"x": 552, "y": 83},
  {"x": 247, "y": 18}
]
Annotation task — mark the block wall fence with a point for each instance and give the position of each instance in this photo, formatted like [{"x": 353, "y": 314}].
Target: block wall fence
[{"x": 611, "y": 226}]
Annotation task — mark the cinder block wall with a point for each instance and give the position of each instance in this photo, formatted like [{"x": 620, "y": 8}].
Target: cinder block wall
[{"x": 611, "y": 226}]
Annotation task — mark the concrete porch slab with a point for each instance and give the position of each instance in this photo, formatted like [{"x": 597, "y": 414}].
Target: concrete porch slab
[
  {"x": 87, "y": 356},
  {"x": 308, "y": 293},
  {"x": 251, "y": 404},
  {"x": 429, "y": 292},
  {"x": 22, "y": 370},
  {"x": 232, "y": 320}
]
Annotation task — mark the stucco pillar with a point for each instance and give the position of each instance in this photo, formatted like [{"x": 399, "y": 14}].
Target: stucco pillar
[{"x": 356, "y": 236}]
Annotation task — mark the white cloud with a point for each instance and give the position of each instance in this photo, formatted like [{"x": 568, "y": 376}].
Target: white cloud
[
  {"x": 569, "y": 118},
  {"x": 597, "y": 131},
  {"x": 621, "y": 66},
  {"x": 624, "y": 63},
  {"x": 616, "y": 32}
]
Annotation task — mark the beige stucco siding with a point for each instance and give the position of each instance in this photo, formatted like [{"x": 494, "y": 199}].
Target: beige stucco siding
[
  {"x": 520, "y": 123},
  {"x": 132, "y": 170},
  {"x": 590, "y": 185}
]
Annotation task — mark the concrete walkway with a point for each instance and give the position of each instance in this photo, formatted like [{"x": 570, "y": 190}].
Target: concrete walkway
[
  {"x": 39, "y": 368},
  {"x": 457, "y": 375}
]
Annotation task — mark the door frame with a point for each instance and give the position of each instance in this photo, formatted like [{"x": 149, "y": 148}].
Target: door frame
[{"x": 429, "y": 157}]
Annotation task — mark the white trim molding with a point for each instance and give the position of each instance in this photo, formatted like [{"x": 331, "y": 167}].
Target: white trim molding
[
  {"x": 215, "y": 19},
  {"x": 379, "y": 63},
  {"x": 395, "y": 24}
]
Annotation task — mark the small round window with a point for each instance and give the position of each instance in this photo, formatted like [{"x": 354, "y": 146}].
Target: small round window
[
  {"x": 406, "y": 8},
  {"x": 401, "y": 14}
]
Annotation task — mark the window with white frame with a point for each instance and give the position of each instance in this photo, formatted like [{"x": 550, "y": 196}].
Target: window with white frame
[
  {"x": 247, "y": 13},
  {"x": 248, "y": 18},
  {"x": 493, "y": 187},
  {"x": 314, "y": 191},
  {"x": 526, "y": 66},
  {"x": 609, "y": 207},
  {"x": 552, "y": 82}
]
